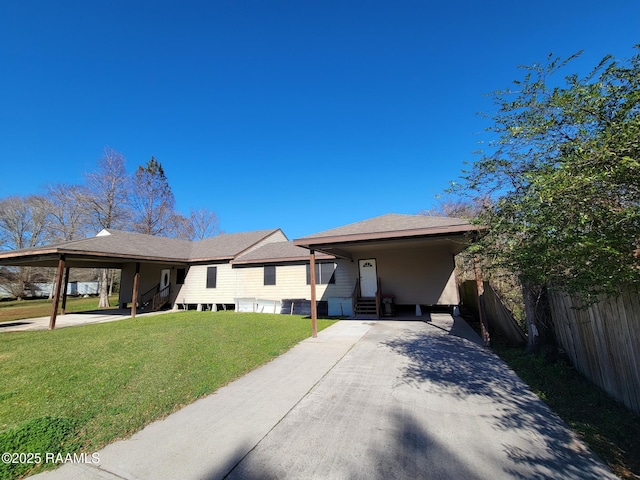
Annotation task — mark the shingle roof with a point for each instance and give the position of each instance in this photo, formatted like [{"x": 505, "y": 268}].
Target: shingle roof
[
  {"x": 226, "y": 246},
  {"x": 390, "y": 224},
  {"x": 120, "y": 244},
  {"x": 113, "y": 243},
  {"x": 132, "y": 244}
]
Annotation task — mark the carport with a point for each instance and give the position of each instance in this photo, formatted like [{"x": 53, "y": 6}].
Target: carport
[
  {"x": 122, "y": 251},
  {"x": 408, "y": 256}
]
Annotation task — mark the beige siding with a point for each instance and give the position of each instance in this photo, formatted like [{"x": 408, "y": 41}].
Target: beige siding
[
  {"x": 416, "y": 275},
  {"x": 291, "y": 282},
  {"x": 195, "y": 289},
  {"x": 248, "y": 282},
  {"x": 345, "y": 276}
]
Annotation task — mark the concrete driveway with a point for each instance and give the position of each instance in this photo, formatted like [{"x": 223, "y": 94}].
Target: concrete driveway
[
  {"x": 365, "y": 400},
  {"x": 71, "y": 320}
]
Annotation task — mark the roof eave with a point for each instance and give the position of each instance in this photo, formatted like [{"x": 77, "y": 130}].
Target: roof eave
[
  {"x": 33, "y": 255},
  {"x": 304, "y": 258},
  {"x": 309, "y": 242},
  {"x": 225, "y": 258}
]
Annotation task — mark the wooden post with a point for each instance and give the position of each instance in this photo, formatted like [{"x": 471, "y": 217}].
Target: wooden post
[
  {"x": 481, "y": 310},
  {"x": 64, "y": 291},
  {"x": 134, "y": 295},
  {"x": 56, "y": 296},
  {"x": 314, "y": 309}
]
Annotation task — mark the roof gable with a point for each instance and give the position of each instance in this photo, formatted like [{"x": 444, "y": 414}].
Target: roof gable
[{"x": 227, "y": 246}]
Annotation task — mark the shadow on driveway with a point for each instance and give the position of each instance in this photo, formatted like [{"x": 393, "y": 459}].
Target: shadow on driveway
[
  {"x": 420, "y": 400},
  {"x": 469, "y": 373}
]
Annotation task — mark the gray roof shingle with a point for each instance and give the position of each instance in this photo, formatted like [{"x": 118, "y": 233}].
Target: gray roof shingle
[
  {"x": 391, "y": 222},
  {"x": 120, "y": 244},
  {"x": 227, "y": 246}
]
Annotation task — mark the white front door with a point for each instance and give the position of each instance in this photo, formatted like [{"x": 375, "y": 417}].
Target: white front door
[
  {"x": 165, "y": 278},
  {"x": 368, "y": 277}
]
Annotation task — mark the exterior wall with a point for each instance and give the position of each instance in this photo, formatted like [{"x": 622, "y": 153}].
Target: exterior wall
[
  {"x": 149, "y": 278},
  {"x": 248, "y": 282},
  {"x": 195, "y": 291},
  {"x": 291, "y": 282},
  {"x": 415, "y": 275}
]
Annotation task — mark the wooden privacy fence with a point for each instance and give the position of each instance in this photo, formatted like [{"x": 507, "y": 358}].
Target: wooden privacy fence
[
  {"x": 603, "y": 341},
  {"x": 499, "y": 317}
]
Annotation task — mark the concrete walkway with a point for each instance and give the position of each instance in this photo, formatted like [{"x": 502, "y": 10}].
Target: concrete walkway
[
  {"x": 365, "y": 400},
  {"x": 72, "y": 320}
]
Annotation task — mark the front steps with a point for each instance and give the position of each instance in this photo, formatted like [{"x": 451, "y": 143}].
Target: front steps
[{"x": 366, "y": 307}]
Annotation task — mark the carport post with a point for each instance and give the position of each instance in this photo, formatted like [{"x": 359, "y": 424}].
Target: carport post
[
  {"x": 134, "y": 295},
  {"x": 314, "y": 309},
  {"x": 56, "y": 296},
  {"x": 64, "y": 291}
]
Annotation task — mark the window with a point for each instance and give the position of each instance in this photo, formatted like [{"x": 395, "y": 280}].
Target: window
[
  {"x": 269, "y": 274},
  {"x": 181, "y": 273},
  {"x": 324, "y": 273},
  {"x": 212, "y": 274}
]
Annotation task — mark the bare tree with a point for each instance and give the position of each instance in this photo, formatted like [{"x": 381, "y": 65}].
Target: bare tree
[
  {"x": 107, "y": 192},
  {"x": 23, "y": 224},
  {"x": 204, "y": 223},
  {"x": 458, "y": 207},
  {"x": 179, "y": 226},
  {"x": 152, "y": 201},
  {"x": 69, "y": 219},
  {"x": 107, "y": 202}
]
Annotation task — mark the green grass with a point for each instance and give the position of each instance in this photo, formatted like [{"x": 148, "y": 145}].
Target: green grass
[
  {"x": 610, "y": 430},
  {"x": 20, "y": 309},
  {"x": 80, "y": 388}
]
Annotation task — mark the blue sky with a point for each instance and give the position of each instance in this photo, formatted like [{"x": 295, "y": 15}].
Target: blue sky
[{"x": 293, "y": 114}]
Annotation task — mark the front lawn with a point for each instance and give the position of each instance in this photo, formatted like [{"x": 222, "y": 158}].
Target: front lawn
[{"x": 80, "y": 388}]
